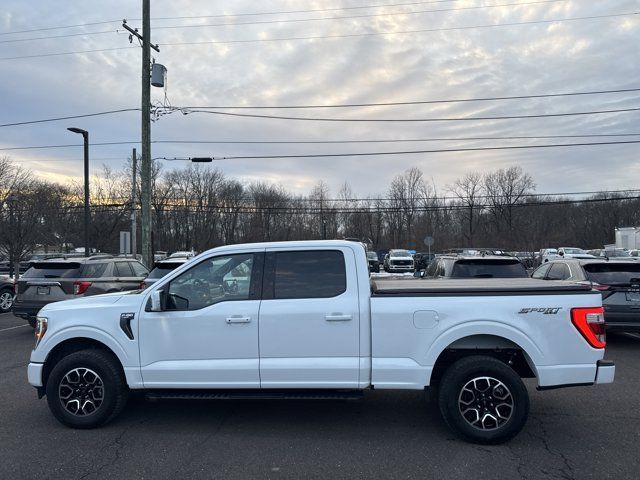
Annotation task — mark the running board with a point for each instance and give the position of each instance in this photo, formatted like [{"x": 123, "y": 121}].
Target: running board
[{"x": 254, "y": 394}]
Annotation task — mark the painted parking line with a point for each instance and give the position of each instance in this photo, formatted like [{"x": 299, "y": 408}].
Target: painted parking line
[{"x": 13, "y": 328}]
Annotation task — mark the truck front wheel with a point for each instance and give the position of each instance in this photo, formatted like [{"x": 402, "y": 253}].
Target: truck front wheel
[
  {"x": 483, "y": 400},
  {"x": 86, "y": 389}
]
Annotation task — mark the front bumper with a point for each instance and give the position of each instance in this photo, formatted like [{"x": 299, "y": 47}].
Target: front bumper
[
  {"x": 401, "y": 268},
  {"x": 34, "y": 374}
]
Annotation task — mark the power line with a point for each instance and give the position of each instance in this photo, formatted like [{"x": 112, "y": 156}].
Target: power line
[
  {"x": 43, "y": 29},
  {"x": 322, "y": 37},
  {"x": 49, "y": 37},
  {"x": 286, "y": 12},
  {"x": 227, "y": 15},
  {"x": 418, "y": 102},
  {"x": 393, "y": 120},
  {"x": 370, "y": 34},
  {"x": 108, "y": 112},
  {"x": 407, "y": 152},
  {"x": 58, "y": 54},
  {"x": 368, "y": 15},
  {"x": 318, "y": 142},
  {"x": 290, "y": 20}
]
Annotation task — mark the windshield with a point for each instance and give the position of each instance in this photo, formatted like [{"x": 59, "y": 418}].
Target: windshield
[
  {"x": 488, "y": 269},
  {"x": 372, "y": 255},
  {"x": 612, "y": 273},
  {"x": 161, "y": 269},
  {"x": 53, "y": 270},
  {"x": 399, "y": 253}
]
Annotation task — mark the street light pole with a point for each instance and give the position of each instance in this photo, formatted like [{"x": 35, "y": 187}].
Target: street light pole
[
  {"x": 11, "y": 201},
  {"x": 87, "y": 219}
]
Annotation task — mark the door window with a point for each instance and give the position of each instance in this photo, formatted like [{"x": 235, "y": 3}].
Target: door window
[
  {"x": 558, "y": 271},
  {"x": 122, "y": 269},
  {"x": 214, "y": 280},
  {"x": 541, "y": 272},
  {"x": 307, "y": 274}
]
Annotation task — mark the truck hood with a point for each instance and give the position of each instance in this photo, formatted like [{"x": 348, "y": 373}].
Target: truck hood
[{"x": 125, "y": 298}]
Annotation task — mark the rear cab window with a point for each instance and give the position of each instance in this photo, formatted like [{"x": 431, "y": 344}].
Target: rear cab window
[{"x": 305, "y": 274}]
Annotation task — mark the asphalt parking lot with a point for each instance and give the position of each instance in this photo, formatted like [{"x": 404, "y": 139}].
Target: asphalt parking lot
[{"x": 578, "y": 433}]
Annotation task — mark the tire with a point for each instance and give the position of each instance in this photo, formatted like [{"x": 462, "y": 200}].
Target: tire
[
  {"x": 487, "y": 381},
  {"x": 6, "y": 300},
  {"x": 101, "y": 393}
]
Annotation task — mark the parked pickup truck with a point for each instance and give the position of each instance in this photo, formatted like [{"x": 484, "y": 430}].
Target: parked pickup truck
[{"x": 301, "y": 319}]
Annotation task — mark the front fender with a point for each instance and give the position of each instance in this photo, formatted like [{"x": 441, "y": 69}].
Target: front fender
[{"x": 40, "y": 354}]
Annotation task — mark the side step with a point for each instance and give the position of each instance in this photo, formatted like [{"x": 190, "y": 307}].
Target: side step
[{"x": 254, "y": 394}]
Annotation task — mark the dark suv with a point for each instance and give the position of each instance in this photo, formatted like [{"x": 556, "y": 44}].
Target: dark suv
[
  {"x": 617, "y": 280},
  {"x": 6, "y": 294},
  {"x": 60, "y": 279},
  {"x": 488, "y": 266}
]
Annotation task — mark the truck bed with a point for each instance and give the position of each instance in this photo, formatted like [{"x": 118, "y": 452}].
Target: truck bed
[{"x": 416, "y": 287}]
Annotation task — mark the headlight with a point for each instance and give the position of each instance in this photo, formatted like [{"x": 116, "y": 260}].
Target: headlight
[{"x": 41, "y": 329}]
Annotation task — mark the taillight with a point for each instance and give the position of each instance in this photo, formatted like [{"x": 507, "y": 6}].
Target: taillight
[
  {"x": 590, "y": 324},
  {"x": 80, "y": 287},
  {"x": 142, "y": 285},
  {"x": 600, "y": 287},
  {"x": 15, "y": 288}
]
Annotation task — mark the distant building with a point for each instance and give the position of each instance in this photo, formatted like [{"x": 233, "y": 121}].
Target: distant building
[{"x": 628, "y": 237}]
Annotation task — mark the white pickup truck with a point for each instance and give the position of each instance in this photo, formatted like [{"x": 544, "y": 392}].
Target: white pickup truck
[{"x": 302, "y": 319}]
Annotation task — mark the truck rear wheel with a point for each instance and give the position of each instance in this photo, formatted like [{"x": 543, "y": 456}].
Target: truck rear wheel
[
  {"x": 86, "y": 389},
  {"x": 483, "y": 400}
]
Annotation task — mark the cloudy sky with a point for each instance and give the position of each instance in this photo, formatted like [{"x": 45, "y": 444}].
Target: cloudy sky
[{"x": 246, "y": 65}]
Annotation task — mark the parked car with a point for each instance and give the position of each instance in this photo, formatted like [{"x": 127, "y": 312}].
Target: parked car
[
  {"x": 634, "y": 253},
  {"x": 374, "y": 263},
  {"x": 398, "y": 261},
  {"x": 55, "y": 280},
  {"x": 617, "y": 280},
  {"x": 422, "y": 260},
  {"x": 163, "y": 267},
  {"x": 250, "y": 321},
  {"x": 487, "y": 266},
  {"x": 544, "y": 255},
  {"x": 6, "y": 294},
  {"x": 573, "y": 252},
  {"x": 527, "y": 258},
  {"x": 182, "y": 254},
  {"x": 610, "y": 253}
]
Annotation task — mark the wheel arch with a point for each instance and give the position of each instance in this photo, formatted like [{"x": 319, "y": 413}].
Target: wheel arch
[
  {"x": 72, "y": 345},
  {"x": 499, "y": 341}
]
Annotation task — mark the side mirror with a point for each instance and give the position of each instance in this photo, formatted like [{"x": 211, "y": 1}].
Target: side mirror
[
  {"x": 561, "y": 254},
  {"x": 156, "y": 301}
]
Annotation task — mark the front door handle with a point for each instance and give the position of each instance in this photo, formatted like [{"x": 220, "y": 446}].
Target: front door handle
[
  {"x": 337, "y": 317},
  {"x": 238, "y": 319}
]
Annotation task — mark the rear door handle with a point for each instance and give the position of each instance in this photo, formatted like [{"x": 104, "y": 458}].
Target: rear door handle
[
  {"x": 337, "y": 317},
  {"x": 238, "y": 319}
]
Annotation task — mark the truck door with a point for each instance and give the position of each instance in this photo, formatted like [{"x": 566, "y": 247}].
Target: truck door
[
  {"x": 310, "y": 319},
  {"x": 206, "y": 335}
]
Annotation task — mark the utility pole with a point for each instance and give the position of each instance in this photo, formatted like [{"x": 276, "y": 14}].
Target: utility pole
[
  {"x": 134, "y": 228},
  {"x": 145, "y": 166},
  {"x": 145, "y": 171}
]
